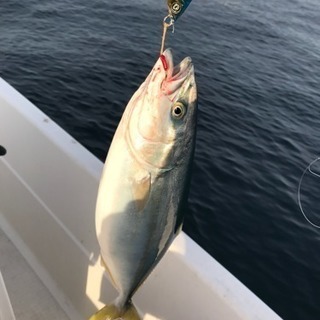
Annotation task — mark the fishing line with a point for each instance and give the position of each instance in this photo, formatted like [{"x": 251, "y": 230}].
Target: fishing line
[{"x": 307, "y": 169}]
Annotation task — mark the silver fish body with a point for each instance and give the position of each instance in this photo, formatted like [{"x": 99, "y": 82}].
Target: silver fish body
[{"x": 144, "y": 184}]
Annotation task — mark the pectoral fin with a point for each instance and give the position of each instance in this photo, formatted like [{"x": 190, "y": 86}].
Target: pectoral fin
[{"x": 141, "y": 185}]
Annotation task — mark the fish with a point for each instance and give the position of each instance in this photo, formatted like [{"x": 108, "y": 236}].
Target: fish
[
  {"x": 145, "y": 180},
  {"x": 177, "y": 7}
]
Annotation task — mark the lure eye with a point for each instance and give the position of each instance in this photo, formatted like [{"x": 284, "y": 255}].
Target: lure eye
[
  {"x": 178, "y": 110},
  {"x": 176, "y": 7}
]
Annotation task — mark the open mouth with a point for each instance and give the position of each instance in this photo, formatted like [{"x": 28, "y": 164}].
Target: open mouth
[
  {"x": 178, "y": 72},
  {"x": 176, "y": 77}
]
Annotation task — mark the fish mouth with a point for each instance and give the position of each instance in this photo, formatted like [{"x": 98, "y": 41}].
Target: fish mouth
[
  {"x": 178, "y": 75},
  {"x": 180, "y": 71}
]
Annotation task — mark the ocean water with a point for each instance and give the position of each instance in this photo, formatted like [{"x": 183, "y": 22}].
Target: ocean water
[{"x": 258, "y": 76}]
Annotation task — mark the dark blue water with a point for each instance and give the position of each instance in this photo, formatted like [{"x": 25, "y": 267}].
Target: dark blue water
[{"x": 258, "y": 75}]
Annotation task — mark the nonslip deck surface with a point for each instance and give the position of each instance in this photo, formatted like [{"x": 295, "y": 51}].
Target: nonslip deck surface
[{"x": 30, "y": 299}]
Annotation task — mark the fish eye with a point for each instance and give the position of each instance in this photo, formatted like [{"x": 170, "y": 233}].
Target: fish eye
[
  {"x": 178, "y": 110},
  {"x": 176, "y": 7}
]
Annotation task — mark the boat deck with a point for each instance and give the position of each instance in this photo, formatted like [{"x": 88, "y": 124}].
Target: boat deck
[
  {"x": 30, "y": 299},
  {"x": 48, "y": 189}
]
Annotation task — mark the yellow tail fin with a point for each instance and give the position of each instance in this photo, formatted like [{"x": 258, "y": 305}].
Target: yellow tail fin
[{"x": 111, "y": 312}]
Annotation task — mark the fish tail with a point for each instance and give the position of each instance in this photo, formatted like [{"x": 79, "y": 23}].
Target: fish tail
[{"x": 112, "y": 312}]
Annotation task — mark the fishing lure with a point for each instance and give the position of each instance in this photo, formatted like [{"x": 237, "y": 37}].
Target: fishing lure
[
  {"x": 175, "y": 10},
  {"x": 177, "y": 7}
]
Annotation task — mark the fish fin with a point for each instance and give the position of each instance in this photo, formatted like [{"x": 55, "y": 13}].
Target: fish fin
[
  {"x": 112, "y": 312},
  {"x": 141, "y": 185},
  {"x": 103, "y": 264},
  {"x": 131, "y": 313}
]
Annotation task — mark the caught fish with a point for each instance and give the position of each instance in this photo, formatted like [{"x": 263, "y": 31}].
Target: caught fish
[
  {"x": 177, "y": 7},
  {"x": 144, "y": 184}
]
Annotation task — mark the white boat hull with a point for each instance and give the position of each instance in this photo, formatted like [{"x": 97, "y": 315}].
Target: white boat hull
[{"x": 48, "y": 188}]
